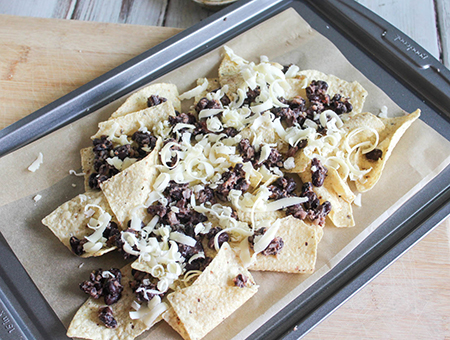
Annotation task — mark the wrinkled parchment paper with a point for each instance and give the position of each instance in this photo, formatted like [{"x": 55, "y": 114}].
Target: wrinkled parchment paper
[{"x": 420, "y": 155}]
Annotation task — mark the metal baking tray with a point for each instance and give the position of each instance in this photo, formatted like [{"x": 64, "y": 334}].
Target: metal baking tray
[{"x": 386, "y": 56}]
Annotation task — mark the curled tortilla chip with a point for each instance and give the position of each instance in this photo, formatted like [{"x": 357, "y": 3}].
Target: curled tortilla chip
[
  {"x": 70, "y": 219},
  {"x": 353, "y": 90},
  {"x": 129, "y": 189},
  {"x": 199, "y": 308},
  {"x": 129, "y": 124},
  {"x": 299, "y": 251},
  {"x": 87, "y": 325},
  {"x": 389, "y": 137},
  {"x": 87, "y": 164},
  {"x": 138, "y": 100}
]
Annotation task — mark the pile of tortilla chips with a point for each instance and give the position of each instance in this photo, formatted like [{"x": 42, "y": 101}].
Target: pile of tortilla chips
[{"x": 196, "y": 301}]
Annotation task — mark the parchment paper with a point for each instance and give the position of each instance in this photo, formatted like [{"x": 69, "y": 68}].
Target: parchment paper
[{"x": 287, "y": 38}]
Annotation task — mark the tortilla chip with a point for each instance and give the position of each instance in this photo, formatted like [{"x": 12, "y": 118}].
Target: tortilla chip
[
  {"x": 301, "y": 162},
  {"x": 229, "y": 74},
  {"x": 138, "y": 100},
  {"x": 269, "y": 216},
  {"x": 266, "y": 134},
  {"x": 337, "y": 192},
  {"x": 389, "y": 137},
  {"x": 269, "y": 136},
  {"x": 223, "y": 269},
  {"x": 87, "y": 325},
  {"x": 213, "y": 84},
  {"x": 171, "y": 317},
  {"x": 129, "y": 124},
  {"x": 195, "y": 309},
  {"x": 87, "y": 164},
  {"x": 364, "y": 119},
  {"x": 69, "y": 219},
  {"x": 353, "y": 90},
  {"x": 299, "y": 252},
  {"x": 298, "y": 87},
  {"x": 201, "y": 308},
  {"x": 130, "y": 188}
]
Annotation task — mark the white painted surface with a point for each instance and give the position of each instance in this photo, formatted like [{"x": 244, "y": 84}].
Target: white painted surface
[
  {"x": 415, "y": 18},
  {"x": 443, "y": 11}
]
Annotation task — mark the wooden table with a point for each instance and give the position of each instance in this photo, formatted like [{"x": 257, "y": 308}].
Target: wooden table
[{"x": 41, "y": 60}]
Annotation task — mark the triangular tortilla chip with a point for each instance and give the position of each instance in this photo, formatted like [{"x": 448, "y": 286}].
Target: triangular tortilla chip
[
  {"x": 87, "y": 165},
  {"x": 338, "y": 193},
  {"x": 223, "y": 269},
  {"x": 138, "y": 100},
  {"x": 201, "y": 308},
  {"x": 69, "y": 219},
  {"x": 87, "y": 325},
  {"x": 129, "y": 124},
  {"x": 354, "y": 90},
  {"x": 389, "y": 137},
  {"x": 299, "y": 252},
  {"x": 196, "y": 307},
  {"x": 174, "y": 321},
  {"x": 130, "y": 188},
  {"x": 268, "y": 216},
  {"x": 229, "y": 74}
]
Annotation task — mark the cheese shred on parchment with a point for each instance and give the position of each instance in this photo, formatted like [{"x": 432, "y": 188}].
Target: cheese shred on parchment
[{"x": 37, "y": 163}]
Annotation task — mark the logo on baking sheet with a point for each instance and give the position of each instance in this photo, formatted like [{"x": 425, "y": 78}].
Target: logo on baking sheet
[
  {"x": 411, "y": 48},
  {"x": 7, "y": 322}
]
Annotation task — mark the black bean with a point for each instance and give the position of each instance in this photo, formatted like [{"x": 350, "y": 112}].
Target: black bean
[{"x": 105, "y": 315}]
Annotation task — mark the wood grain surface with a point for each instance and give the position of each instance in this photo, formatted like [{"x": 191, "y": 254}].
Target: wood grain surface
[
  {"x": 43, "y": 59},
  {"x": 426, "y": 21}
]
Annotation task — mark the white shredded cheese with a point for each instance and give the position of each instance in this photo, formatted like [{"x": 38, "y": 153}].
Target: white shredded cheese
[
  {"x": 383, "y": 112},
  {"x": 285, "y": 202},
  {"x": 357, "y": 200},
  {"x": 37, "y": 163},
  {"x": 262, "y": 241},
  {"x": 37, "y": 197},
  {"x": 182, "y": 238},
  {"x": 148, "y": 314},
  {"x": 73, "y": 172},
  {"x": 289, "y": 163},
  {"x": 196, "y": 91}
]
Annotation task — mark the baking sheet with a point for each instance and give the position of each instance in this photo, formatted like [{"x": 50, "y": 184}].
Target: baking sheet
[{"x": 414, "y": 163}]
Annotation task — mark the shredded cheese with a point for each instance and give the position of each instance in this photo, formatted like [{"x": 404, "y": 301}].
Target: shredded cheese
[{"x": 37, "y": 163}]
